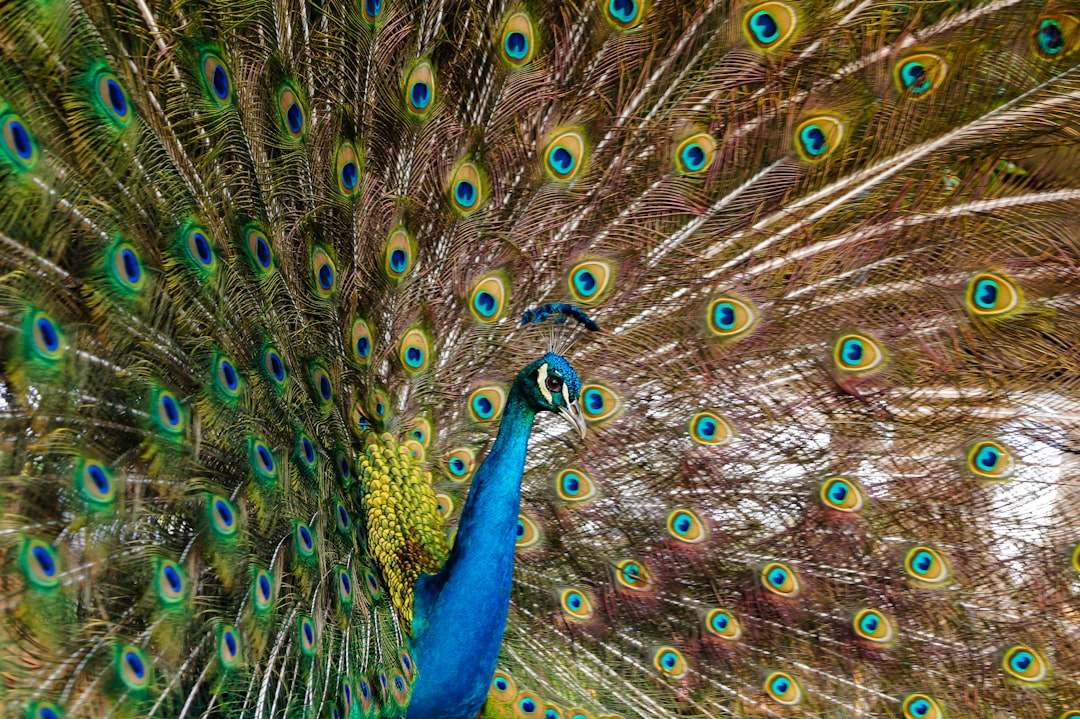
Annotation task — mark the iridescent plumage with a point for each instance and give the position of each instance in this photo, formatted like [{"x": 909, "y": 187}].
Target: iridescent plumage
[{"x": 274, "y": 275}]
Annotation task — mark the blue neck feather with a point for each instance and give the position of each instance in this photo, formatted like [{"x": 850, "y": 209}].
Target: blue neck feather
[{"x": 460, "y": 613}]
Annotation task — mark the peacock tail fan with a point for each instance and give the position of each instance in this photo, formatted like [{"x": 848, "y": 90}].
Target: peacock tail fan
[{"x": 263, "y": 268}]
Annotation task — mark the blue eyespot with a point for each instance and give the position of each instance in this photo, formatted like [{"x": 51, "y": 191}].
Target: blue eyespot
[
  {"x": 221, "y": 83},
  {"x": 926, "y": 565},
  {"x": 265, "y": 458},
  {"x": 466, "y": 189},
  {"x": 41, "y": 564},
  {"x": 294, "y": 116},
  {"x": 561, "y": 159},
  {"x": 373, "y": 9},
  {"x": 693, "y": 157},
  {"x": 764, "y": 26},
  {"x": 991, "y": 460},
  {"x": 46, "y": 564},
  {"x": 420, "y": 95},
  {"x": 1051, "y": 37},
  {"x": 520, "y": 529},
  {"x": 1020, "y": 661},
  {"x": 585, "y": 282},
  {"x": 485, "y": 303},
  {"x": 47, "y": 332},
  {"x": 326, "y": 277},
  {"x": 483, "y": 406},
  {"x": 527, "y": 705},
  {"x": 724, "y": 315},
  {"x": 623, "y": 11},
  {"x": 780, "y": 685},
  {"x": 465, "y": 193},
  {"x": 457, "y": 466},
  {"x": 306, "y": 540},
  {"x": 308, "y": 450},
  {"x": 230, "y": 641},
  {"x": 324, "y": 387},
  {"x": 264, "y": 588},
  {"x": 813, "y": 140},
  {"x": 17, "y": 145},
  {"x": 135, "y": 663},
  {"x": 914, "y": 76},
  {"x": 594, "y": 401},
  {"x": 132, "y": 267},
  {"x": 116, "y": 97},
  {"x": 276, "y": 366},
  {"x": 172, "y": 577},
  {"x": 202, "y": 248},
  {"x": 720, "y": 622},
  {"x": 869, "y": 623},
  {"x": 228, "y": 373},
  {"x": 777, "y": 577},
  {"x": 262, "y": 251},
  {"x": 986, "y": 293},
  {"x": 171, "y": 412},
  {"x": 350, "y": 175},
  {"x": 919, "y": 707},
  {"x": 987, "y": 457},
  {"x": 852, "y": 351},
  {"x": 399, "y": 260},
  {"x": 918, "y": 74},
  {"x": 685, "y": 526},
  {"x": 363, "y": 346},
  {"x": 97, "y": 476},
  {"x": 20, "y": 138},
  {"x": 858, "y": 353},
  {"x": 224, "y": 513},
  {"x": 571, "y": 483},
  {"x": 516, "y": 45}
]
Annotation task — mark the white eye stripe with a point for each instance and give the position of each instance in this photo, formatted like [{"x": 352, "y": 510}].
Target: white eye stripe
[
  {"x": 541, "y": 382},
  {"x": 566, "y": 394}
]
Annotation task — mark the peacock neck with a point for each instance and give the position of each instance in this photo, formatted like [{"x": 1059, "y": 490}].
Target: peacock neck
[{"x": 460, "y": 613}]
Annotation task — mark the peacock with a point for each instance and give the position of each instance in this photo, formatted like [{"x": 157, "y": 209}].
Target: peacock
[{"x": 539, "y": 359}]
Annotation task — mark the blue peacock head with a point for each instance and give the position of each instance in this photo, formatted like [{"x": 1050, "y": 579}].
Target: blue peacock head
[{"x": 550, "y": 384}]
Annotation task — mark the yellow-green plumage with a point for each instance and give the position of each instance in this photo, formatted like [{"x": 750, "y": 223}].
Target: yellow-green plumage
[{"x": 261, "y": 271}]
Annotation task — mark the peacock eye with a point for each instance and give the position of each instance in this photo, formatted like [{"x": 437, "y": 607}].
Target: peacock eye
[{"x": 554, "y": 384}]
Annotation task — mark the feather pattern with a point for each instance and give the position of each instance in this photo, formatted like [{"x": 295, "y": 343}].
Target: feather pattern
[{"x": 274, "y": 275}]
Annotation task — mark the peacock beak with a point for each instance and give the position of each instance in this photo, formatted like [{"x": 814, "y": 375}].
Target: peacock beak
[{"x": 573, "y": 416}]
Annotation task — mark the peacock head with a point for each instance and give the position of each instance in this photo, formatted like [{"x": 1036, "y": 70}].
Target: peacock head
[{"x": 550, "y": 384}]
